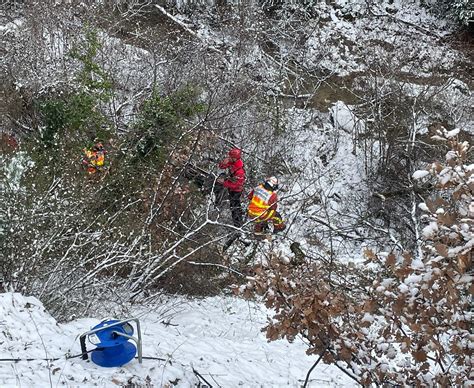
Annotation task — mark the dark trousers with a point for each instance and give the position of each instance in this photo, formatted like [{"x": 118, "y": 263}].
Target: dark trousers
[
  {"x": 219, "y": 193},
  {"x": 236, "y": 208},
  {"x": 235, "y": 205}
]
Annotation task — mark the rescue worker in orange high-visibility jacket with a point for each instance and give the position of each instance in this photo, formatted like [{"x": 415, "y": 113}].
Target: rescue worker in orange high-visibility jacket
[
  {"x": 263, "y": 205},
  {"x": 94, "y": 158}
]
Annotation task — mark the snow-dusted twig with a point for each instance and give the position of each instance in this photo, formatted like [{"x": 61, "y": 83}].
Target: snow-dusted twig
[
  {"x": 416, "y": 27},
  {"x": 216, "y": 265},
  {"x": 334, "y": 229},
  {"x": 192, "y": 33},
  {"x": 44, "y": 347}
]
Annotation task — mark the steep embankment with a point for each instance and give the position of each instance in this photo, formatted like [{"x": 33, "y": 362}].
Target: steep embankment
[{"x": 217, "y": 337}]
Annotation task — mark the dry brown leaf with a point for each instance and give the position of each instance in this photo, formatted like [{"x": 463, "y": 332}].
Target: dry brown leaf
[
  {"x": 365, "y": 324},
  {"x": 441, "y": 249},
  {"x": 447, "y": 219},
  {"x": 403, "y": 272},
  {"x": 425, "y": 366},
  {"x": 464, "y": 262},
  {"x": 407, "y": 259},
  {"x": 431, "y": 205},
  {"x": 345, "y": 354},
  {"x": 399, "y": 305},
  {"x": 420, "y": 356},
  {"x": 370, "y": 254},
  {"x": 360, "y": 336},
  {"x": 471, "y": 186},
  {"x": 390, "y": 260},
  {"x": 440, "y": 202},
  {"x": 370, "y": 305}
]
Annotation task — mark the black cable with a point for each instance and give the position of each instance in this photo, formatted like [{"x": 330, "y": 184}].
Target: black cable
[
  {"x": 47, "y": 359},
  {"x": 68, "y": 357},
  {"x": 28, "y": 359},
  {"x": 152, "y": 358},
  {"x": 201, "y": 377},
  {"x": 81, "y": 354}
]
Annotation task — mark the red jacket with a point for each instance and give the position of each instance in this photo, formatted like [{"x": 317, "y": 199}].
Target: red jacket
[{"x": 236, "y": 178}]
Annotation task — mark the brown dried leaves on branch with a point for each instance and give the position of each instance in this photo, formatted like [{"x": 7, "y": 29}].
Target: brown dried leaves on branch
[{"x": 414, "y": 310}]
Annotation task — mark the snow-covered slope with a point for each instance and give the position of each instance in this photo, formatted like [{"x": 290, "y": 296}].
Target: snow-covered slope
[{"x": 218, "y": 337}]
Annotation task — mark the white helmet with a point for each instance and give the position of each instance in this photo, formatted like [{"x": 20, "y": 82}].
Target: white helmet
[{"x": 272, "y": 182}]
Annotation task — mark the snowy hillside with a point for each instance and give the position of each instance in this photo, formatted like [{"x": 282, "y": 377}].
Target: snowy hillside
[
  {"x": 116, "y": 118},
  {"x": 218, "y": 337}
]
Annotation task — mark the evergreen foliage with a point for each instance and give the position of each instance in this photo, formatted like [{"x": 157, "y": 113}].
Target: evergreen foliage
[
  {"x": 74, "y": 114},
  {"x": 160, "y": 121}
]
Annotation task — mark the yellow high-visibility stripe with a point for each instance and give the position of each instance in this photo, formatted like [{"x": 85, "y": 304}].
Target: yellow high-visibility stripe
[
  {"x": 261, "y": 216},
  {"x": 100, "y": 160}
]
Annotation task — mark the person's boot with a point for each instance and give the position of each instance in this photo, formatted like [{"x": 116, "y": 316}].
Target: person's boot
[
  {"x": 259, "y": 230},
  {"x": 278, "y": 228}
]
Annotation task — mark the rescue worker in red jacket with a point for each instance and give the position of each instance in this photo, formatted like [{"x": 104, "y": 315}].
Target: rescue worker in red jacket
[
  {"x": 263, "y": 205},
  {"x": 233, "y": 182}
]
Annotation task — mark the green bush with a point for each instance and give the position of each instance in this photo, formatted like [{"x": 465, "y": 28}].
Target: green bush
[
  {"x": 75, "y": 114},
  {"x": 160, "y": 121},
  {"x": 69, "y": 118},
  {"x": 92, "y": 77}
]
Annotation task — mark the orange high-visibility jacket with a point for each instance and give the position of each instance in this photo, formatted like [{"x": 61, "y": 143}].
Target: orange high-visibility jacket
[
  {"x": 99, "y": 158},
  {"x": 93, "y": 159},
  {"x": 96, "y": 158},
  {"x": 263, "y": 203}
]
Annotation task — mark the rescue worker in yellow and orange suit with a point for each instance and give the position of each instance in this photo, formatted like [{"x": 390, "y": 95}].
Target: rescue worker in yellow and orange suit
[
  {"x": 94, "y": 158},
  {"x": 263, "y": 205}
]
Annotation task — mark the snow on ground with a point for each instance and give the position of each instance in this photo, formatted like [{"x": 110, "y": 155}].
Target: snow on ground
[
  {"x": 328, "y": 179},
  {"x": 219, "y": 337},
  {"x": 11, "y": 27},
  {"x": 323, "y": 154},
  {"x": 13, "y": 169},
  {"x": 327, "y": 176},
  {"x": 344, "y": 41}
]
